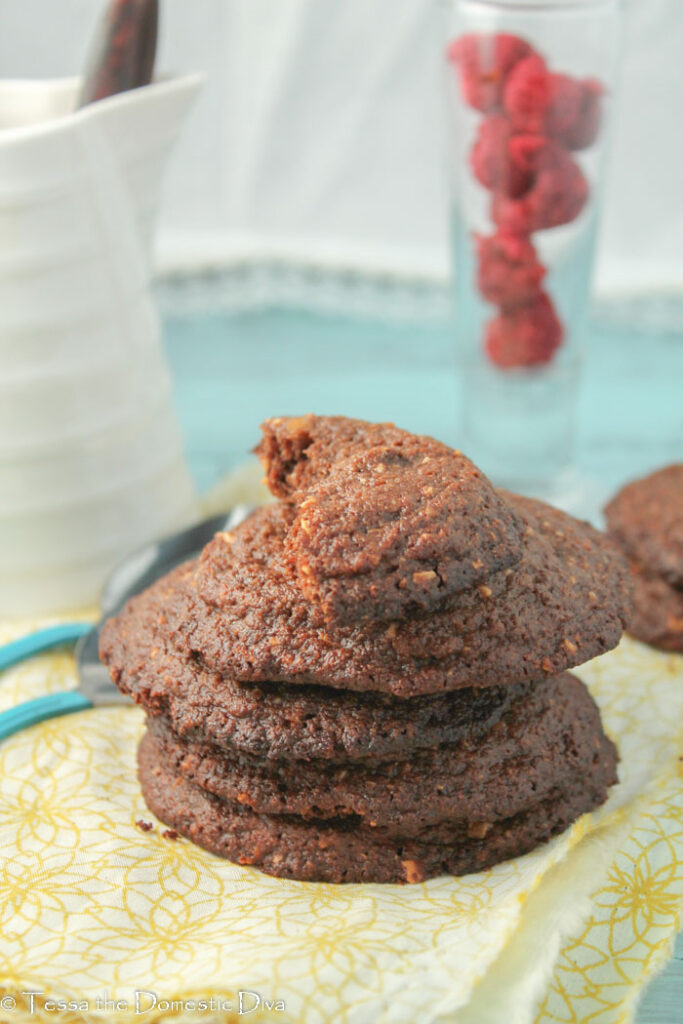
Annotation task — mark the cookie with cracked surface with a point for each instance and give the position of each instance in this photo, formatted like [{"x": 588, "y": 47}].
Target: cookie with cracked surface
[
  {"x": 389, "y": 523},
  {"x": 271, "y": 720},
  {"x": 567, "y": 601}
]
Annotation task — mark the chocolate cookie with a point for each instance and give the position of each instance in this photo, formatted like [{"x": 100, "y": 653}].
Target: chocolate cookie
[
  {"x": 388, "y": 523},
  {"x": 646, "y": 519},
  {"x": 274, "y": 720},
  {"x": 341, "y": 851},
  {"x": 361, "y": 683},
  {"x": 298, "y": 452},
  {"x": 565, "y": 602},
  {"x": 550, "y": 736},
  {"x": 658, "y": 616}
]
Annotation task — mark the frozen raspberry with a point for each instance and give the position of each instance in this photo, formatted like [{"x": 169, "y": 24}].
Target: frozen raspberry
[
  {"x": 532, "y": 153},
  {"x": 509, "y": 272},
  {"x": 557, "y": 196},
  {"x": 524, "y": 336},
  {"x": 527, "y": 94},
  {"x": 546, "y": 103},
  {"x": 484, "y": 61},
  {"x": 575, "y": 110},
  {"x": 493, "y": 161}
]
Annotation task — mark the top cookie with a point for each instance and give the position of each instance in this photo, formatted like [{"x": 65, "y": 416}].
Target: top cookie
[
  {"x": 388, "y": 524},
  {"x": 646, "y": 518},
  {"x": 241, "y": 611},
  {"x": 276, "y": 721}
]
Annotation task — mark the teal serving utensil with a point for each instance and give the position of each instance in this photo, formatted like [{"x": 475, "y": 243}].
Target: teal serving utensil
[{"x": 133, "y": 575}]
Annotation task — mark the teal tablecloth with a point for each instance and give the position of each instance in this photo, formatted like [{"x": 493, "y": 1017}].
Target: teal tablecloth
[{"x": 233, "y": 370}]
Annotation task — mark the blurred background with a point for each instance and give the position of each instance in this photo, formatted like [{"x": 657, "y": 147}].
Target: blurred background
[
  {"x": 302, "y": 256},
  {"x": 318, "y": 138}
]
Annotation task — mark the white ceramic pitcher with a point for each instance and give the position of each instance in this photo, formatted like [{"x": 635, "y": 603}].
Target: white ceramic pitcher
[{"x": 91, "y": 461}]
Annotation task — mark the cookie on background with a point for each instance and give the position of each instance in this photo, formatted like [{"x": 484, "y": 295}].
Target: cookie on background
[{"x": 645, "y": 518}]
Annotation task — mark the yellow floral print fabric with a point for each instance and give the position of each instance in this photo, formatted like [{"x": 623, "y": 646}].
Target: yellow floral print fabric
[
  {"x": 100, "y": 920},
  {"x": 635, "y": 914}
]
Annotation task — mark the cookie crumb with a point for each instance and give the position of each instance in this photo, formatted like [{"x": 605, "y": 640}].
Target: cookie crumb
[
  {"x": 413, "y": 871},
  {"x": 424, "y": 577},
  {"x": 479, "y": 829}
]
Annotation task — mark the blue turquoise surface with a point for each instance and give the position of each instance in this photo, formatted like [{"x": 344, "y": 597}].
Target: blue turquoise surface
[{"x": 233, "y": 370}]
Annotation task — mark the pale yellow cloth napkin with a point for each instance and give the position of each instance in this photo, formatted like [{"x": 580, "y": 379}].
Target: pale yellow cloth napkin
[
  {"x": 94, "y": 909},
  {"x": 602, "y": 922}
]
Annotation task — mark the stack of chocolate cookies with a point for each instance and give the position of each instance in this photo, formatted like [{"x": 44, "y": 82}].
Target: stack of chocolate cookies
[
  {"x": 367, "y": 680},
  {"x": 646, "y": 520}
]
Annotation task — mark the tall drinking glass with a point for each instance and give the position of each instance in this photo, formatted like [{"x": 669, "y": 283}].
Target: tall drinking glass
[{"x": 531, "y": 85}]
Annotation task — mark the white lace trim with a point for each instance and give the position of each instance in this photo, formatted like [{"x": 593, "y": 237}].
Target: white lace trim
[{"x": 254, "y": 286}]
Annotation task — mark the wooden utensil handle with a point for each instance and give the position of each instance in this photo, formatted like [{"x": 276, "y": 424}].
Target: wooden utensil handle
[{"x": 124, "y": 55}]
